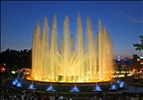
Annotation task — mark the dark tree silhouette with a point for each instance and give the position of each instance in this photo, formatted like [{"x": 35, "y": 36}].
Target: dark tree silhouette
[
  {"x": 139, "y": 46},
  {"x": 16, "y": 59}
]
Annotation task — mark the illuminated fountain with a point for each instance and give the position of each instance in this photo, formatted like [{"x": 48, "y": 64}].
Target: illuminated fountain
[
  {"x": 69, "y": 61},
  {"x": 18, "y": 81}
]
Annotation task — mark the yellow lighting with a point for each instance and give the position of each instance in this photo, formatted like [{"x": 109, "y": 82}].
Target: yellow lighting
[
  {"x": 138, "y": 59},
  {"x": 55, "y": 63}
]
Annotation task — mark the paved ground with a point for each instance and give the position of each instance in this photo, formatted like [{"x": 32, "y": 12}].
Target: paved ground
[{"x": 130, "y": 88}]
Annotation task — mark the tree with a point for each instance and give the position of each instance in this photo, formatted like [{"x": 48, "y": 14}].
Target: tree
[
  {"x": 16, "y": 59},
  {"x": 139, "y": 46}
]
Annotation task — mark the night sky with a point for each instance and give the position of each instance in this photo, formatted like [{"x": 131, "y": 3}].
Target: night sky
[{"x": 124, "y": 21}]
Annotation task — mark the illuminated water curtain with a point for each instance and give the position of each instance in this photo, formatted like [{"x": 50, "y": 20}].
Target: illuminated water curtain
[{"x": 71, "y": 60}]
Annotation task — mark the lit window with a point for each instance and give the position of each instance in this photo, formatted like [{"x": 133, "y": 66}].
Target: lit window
[{"x": 138, "y": 59}]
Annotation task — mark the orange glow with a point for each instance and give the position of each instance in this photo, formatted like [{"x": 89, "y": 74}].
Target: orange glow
[
  {"x": 134, "y": 70},
  {"x": 2, "y": 69},
  {"x": 28, "y": 78}
]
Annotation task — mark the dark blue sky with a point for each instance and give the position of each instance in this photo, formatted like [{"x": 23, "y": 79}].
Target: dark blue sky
[{"x": 124, "y": 21}]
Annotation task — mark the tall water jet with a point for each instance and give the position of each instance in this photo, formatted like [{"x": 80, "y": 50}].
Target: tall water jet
[
  {"x": 53, "y": 49},
  {"x": 36, "y": 55},
  {"x": 80, "y": 49},
  {"x": 107, "y": 52},
  {"x": 66, "y": 47},
  {"x": 91, "y": 51},
  {"x": 69, "y": 63},
  {"x": 45, "y": 50},
  {"x": 100, "y": 51}
]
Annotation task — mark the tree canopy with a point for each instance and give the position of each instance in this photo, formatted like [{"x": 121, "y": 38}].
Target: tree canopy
[
  {"x": 139, "y": 46},
  {"x": 14, "y": 58}
]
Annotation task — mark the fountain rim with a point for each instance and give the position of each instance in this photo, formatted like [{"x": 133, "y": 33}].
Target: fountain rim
[{"x": 70, "y": 83}]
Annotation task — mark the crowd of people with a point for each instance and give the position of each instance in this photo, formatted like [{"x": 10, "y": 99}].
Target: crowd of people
[{"x": 8, "y": 94}]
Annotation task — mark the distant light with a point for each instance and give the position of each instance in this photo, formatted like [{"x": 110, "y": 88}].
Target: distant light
[
  {"x": 134, "y": 69},
  {"x": 125, "y": 59},
  {"x": 118, "y": 81},
  {"x": 138, "y": 59},
  {"x": 13, "y": 72},
  {"x": 118, "y": 59},
  {"x": 123, "y": 72},
  {"x": 117, "y": 71},
  {"x": 129, "y": 74},
  {"x": 2, "y": 69}
]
